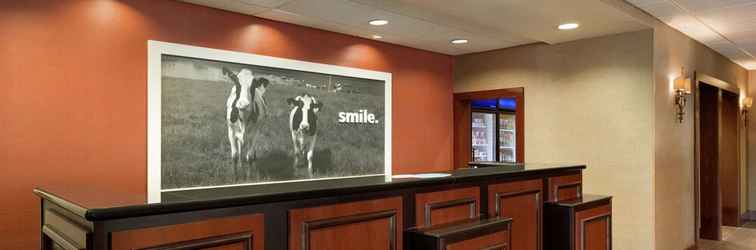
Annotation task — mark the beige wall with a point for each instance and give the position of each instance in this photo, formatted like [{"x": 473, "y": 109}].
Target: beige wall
[
  {"x": 674, "y": 142},
  {"x": 752, "y": 146},
  {"x": 588, "y": 101},
  {"x": 608, "y": 102}
]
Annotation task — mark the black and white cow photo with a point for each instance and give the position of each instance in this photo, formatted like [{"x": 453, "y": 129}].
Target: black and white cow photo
[{"x": 226, "y": 123}]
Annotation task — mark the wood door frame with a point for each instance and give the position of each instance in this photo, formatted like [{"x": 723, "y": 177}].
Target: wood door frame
[
  {"x": 462, "y": 130},
  {"x": 701, "y": 78}
]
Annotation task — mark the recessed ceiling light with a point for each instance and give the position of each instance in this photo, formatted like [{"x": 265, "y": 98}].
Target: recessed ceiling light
[
  {"x": 378, "y": 22},
  {"x": 568, "y": 26},
  {"x": 459, "y": 41},
  {"x": 377, "y": 36}
]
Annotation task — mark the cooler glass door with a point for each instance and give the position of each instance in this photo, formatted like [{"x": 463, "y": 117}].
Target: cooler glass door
[
  {"x": 507, "y": 138},
  {"x": 483, "y": 133}
]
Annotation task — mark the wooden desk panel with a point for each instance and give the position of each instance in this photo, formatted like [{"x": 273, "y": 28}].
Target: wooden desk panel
[
  {"x": 241, "y": 232},
  {"x": 496, "y": 241},
  {"x": 370, "y": 225},
  {"x": 521, "y": 201},
  {"x": 468, "y": 234},
  {"x": 446, "y": 206},
  {"x": 579, "y": 224},
  {"x": 593, "y": 228},
  {"x": 566, "y": 187}
]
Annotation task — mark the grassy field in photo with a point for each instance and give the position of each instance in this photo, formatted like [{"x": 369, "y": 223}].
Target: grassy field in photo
[{"x": 196, "y": 151}]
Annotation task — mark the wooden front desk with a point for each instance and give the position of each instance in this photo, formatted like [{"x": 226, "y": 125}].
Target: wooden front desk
[{"x": 361, "y": 213}]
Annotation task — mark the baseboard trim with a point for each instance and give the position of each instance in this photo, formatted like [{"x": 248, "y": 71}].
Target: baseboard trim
[
  {"x": 749, "y": 215},
  {"x": 693, "y": 247}
]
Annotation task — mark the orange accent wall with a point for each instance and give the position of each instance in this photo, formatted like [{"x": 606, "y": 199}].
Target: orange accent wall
[{"x": 73, "y": 92}]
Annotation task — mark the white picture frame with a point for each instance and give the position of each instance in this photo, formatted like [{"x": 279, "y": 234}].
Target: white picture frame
[{"x": 155, "y": 52}]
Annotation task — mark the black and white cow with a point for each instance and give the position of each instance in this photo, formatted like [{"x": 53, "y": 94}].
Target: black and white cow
[
  {"x": 245, "y": 107},
  {"x": 303, "y": 123}
]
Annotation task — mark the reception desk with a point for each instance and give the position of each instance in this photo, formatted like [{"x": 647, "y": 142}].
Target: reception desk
[{"x": 499, "y": 207}]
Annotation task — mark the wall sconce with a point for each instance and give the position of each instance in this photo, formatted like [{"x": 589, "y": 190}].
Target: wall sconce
[
  {"x": 682, "y": 86},
  {"x": 747, "y": 103}
]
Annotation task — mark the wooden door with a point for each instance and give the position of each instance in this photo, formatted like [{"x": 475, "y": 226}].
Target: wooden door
[
  {"x": 729, "y": 167},
  {"x": 711, "y": 220}
]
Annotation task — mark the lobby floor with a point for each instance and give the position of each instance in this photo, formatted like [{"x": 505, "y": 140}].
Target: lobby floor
[{"x": 733, "y": 238}]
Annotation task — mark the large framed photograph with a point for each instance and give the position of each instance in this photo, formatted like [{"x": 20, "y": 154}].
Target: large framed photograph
[{"x": 220, "y": 118}]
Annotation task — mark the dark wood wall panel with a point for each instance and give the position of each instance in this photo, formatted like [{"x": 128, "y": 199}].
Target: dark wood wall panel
[
  {"x": 370, "y": 225},
  {"x": 593, "y": 228},
  {"x": 709, "y": 162},
  {"x": 441, "y": 207},
  {"x": 729, "y": 165},
  {"x": 522, "y": 201},
  {"x": 240, "y": 232},
  {"x": 565, "y": 187}
]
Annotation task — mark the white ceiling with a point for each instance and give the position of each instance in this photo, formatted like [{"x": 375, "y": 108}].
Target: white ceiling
[
  {"x": 431, "y": 24},
  {"x": 727, "y": 26}
]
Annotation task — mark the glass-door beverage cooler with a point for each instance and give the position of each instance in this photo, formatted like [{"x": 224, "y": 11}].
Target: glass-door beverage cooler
[
  {"x": 483, "y": 133},
  {"x": 493, "y": 130},
  {"x": 507, "y": 138}
]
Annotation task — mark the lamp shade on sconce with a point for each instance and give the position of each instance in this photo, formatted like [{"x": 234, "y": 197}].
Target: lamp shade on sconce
[
  {"x": 747, "y": 102},
  {"x": 745, "y": 109},
  {"x": 683, "y": 84}
]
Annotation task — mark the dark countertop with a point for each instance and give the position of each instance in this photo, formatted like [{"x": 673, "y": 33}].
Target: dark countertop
[
  {"x": 463, "y": 226},
  {"x": 477, "y": 164},
  {"x": 585, "y": 200},
  {"x": 95, "y": 205}
]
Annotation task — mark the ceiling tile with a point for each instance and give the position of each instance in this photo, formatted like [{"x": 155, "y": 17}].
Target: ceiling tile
[
  {"x": 645, "y": 2},
  {"x": 426, "y": 43},
  {"x": 727, "y": 26},
  {"x": 267, "y": 3},
  {"x": 231, "y": 5},
  {"x": 431, "y": 24},
  {"x": 708, "y": 5},
  {"x": 662, "y": 9},
  {"x": 749, "y": 46},
  {"x": 443, "y": 19}
]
